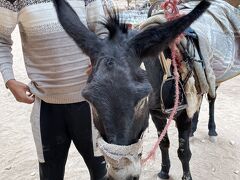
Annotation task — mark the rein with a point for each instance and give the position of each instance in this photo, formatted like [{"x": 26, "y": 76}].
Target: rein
[{"x": 171, "y": 12}]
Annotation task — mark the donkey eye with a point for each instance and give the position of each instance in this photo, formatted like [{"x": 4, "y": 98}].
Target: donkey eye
[{"x": 109, "y": 63}]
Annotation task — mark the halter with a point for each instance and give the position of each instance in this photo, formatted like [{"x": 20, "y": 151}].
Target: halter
[{"x": 117, "y": 155}]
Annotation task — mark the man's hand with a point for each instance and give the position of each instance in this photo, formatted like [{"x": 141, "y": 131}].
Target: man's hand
[{"x": 20, "y": 91}]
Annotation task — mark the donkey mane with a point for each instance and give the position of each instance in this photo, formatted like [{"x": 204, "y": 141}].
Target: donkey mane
[{"x": 114, "y": 24}]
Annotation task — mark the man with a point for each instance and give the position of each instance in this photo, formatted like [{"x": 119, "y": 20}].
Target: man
[{"x": 57, "y": 70}]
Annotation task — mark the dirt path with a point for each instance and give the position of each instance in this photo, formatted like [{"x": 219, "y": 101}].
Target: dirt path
[{"x": 219, "y": 161}]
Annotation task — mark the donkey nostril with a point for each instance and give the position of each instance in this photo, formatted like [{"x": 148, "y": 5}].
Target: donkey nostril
[{"x": 133, "y": 178}]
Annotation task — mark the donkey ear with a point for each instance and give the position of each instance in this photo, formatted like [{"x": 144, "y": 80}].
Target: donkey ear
[
  {"x": 85, "y": 39},
  {"x": 155, "y": 39}
]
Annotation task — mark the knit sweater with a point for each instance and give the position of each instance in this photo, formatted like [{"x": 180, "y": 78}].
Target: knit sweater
[{"x": 54, "y": 63}]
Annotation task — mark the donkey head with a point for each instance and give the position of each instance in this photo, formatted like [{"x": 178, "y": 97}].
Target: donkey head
[{"x": 117, "y": 87}]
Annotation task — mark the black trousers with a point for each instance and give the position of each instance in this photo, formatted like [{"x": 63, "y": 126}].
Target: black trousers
[{"x": 59, "y": 125}]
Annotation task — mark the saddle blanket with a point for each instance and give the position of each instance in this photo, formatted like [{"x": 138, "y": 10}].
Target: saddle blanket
[{"x": 218, "y": 31}]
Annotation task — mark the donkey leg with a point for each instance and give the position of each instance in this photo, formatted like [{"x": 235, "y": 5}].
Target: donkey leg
[
  {"x": 195, "y": 119},
  {"x": 211, "y": 123},
  {"x": 164, "y": 145},
  {"x": 194, "y": 123},
  {"x": 184, "y": 153}
]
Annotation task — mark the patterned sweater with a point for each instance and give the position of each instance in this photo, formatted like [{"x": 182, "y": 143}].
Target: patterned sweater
[{"x": 54, "y": 63}]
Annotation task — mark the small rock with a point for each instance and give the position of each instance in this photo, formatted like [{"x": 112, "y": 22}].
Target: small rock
[
  {"x": 236, "y": 172},
  {"x": 203, "y": 141},
  {"x": 213, "y": 139},
  {"x": 213, "y": 169},
  {"x": 33, "y": 174},
  {"x": 232, "y": 142},
  {"x": 8, "y": 168}
]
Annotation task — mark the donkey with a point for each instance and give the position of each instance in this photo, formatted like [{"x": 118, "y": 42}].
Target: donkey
[
  {"x": 117, "y": 88},
  {"x": 155, "y": 12},
  {"x": 211, "y": 100}
]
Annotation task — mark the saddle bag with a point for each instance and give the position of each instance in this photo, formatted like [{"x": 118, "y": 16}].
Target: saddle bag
[
  {"x": 167, "y": 91},
  {"x": 167, "y": 96}
]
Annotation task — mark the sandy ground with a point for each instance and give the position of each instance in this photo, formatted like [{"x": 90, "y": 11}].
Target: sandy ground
[{"x": 213, "y": 161}]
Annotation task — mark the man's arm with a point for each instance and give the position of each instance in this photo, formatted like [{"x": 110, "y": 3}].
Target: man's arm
[{"x": 8, "y": 22}]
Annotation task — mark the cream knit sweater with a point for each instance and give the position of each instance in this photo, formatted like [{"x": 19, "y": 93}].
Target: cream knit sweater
[{"x": 54, "y": 63}]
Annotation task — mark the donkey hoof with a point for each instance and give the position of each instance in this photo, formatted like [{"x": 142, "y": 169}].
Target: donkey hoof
[
  {"x": 163, "y": 175},
  {"x": 187, "y": 177},
  {"x": 212, "y": 133},
  {"x": 213, "y": 139}
]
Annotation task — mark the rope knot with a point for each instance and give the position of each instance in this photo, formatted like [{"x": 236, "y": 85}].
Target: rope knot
[{"x": 170, "y": 9}]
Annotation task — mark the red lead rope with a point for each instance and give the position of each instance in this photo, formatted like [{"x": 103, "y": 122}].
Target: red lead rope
[{"x": 171, "y": 12}]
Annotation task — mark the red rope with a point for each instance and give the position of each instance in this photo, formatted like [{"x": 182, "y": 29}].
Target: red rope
[
  {"x": 171, "y": 12},
  {"x": 170, "y": 9}
]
